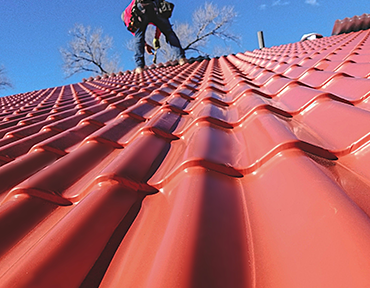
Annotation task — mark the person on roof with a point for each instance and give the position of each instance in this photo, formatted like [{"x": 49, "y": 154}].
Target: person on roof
[{"x": 137, "y": 16}]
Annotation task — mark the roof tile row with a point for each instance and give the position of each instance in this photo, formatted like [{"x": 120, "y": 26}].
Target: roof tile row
[{"x": 248, "y": 170}]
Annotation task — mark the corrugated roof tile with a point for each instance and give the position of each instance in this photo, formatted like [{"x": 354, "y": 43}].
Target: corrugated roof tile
[{"x": 248, "y": 170}]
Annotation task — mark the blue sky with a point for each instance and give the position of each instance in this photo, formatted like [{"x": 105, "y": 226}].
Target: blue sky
[{"x": 31, "y": 32}]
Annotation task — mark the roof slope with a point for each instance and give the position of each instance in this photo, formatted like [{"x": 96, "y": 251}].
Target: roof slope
[
  {"x": 250, "y": 170},
  {"x": 354, "y": 24}
]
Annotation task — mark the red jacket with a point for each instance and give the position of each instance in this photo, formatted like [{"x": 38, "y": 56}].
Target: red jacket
[{"x": 127, "y": 17}]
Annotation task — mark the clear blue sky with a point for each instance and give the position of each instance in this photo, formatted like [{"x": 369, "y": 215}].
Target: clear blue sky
[{"x": 31, "y": 32}]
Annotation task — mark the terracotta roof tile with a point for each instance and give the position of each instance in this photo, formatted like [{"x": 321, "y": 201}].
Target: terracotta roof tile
[
  {"x": 353, "y": 24},
  {"x": 248, "y": 170}
]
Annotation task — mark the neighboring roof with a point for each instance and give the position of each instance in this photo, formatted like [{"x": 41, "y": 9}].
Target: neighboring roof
[
  {"x": 250, "y": 170},
  {"x": 354, "y": 24}
]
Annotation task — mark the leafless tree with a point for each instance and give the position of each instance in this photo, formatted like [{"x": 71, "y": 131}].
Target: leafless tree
[
  {"x": 208, "y": 21},
  {"x": 88, "y": 52},
  {"x": 222, "y": 50},
  {"x": 4, "y": 80}
]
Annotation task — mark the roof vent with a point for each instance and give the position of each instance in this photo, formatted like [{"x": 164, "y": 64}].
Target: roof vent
[
  {"x": 353, "y": 24},
  {"x": 311, "y": 36}
]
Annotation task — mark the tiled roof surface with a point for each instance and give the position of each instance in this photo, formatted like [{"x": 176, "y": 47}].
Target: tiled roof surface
[
  {"x": 353, "y": 24},
  {"x": 251, "y": 170}
]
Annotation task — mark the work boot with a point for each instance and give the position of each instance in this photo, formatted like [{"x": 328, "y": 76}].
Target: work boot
[
  {"x": 182, "y": 61},
  {"x": 138, "y": 70}
]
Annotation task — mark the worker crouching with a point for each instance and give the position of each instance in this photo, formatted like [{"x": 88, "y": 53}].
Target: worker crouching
[{"x": 138, "y": 15}]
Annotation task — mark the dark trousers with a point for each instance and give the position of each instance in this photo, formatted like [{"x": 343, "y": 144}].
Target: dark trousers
[{"x": 150, "y": 16}]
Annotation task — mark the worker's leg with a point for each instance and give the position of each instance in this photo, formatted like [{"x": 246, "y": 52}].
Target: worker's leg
[
  {"x": 140, "y": 34},
  {"x": 164, "y": 25},
  {"x": 139, "y": 47}
]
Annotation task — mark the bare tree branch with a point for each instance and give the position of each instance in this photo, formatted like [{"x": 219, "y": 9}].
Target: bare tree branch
[
  {"x": 4, "y": 80},
  {"x": 208, "y": 21},
  {"x": 212, "y": 21},
  {"x": 88, "y": 52}
]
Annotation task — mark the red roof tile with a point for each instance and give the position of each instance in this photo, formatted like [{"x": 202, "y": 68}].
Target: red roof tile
[
  {"x": 248, "y": 170},
  {"x": 353, "y": 24}
]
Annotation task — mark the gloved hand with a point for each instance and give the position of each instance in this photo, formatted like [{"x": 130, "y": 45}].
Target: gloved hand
[{"x": 156, "y": 43}]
